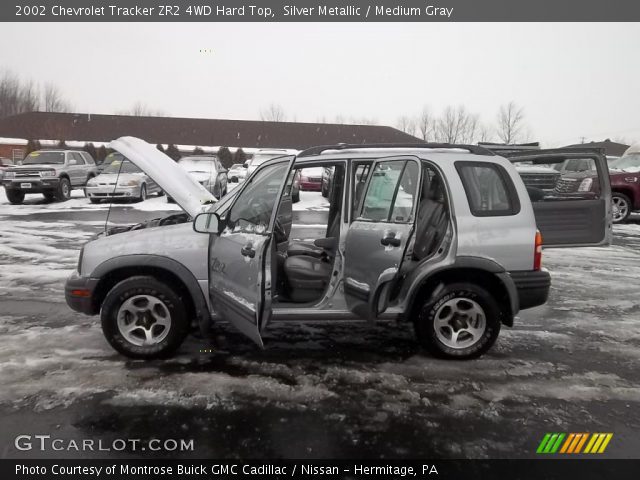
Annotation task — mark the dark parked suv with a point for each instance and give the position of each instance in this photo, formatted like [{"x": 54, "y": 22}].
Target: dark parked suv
[{"x": 54, "y": 173}]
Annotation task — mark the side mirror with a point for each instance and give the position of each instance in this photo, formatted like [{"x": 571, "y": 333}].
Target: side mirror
[
  {"x": 245, "y": 165},
  {"x": 207, "y": 223}
]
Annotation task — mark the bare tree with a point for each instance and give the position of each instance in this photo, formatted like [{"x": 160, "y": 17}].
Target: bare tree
[
  {"x": 16, "y": 96},
  {"x": 510, "y": 123},
  {"x": 456, "y": 125},
  {"x": 426, "y": 125},
  {"x": 52, "y": 99},
  {"x": 407, "y": 125},
  {"x": 140, "y": 109},
  {"x": 273, "y": 113},
  {"x": 485, "y": 133}
]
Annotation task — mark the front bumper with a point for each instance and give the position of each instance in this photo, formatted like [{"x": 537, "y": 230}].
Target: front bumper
[
  {"x": 31, "y": 184},
  {"x": 79, "y": 294},
  {"x": 109, "y": 191},
  {"x": 533, "y": 287}
]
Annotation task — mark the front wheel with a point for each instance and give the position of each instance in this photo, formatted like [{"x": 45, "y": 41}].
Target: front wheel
[
  {"x": 144, "y": 318},
  {"x": 16, "y": 197},
  {"x": 461, "y": 321},
  {"x": 621, "y": 207},
  {"x": 64, "y": 190},
  {"x": 143, "y": 193}
]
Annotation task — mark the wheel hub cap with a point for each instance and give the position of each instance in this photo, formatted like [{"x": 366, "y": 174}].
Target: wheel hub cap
[
  {"x": 144, "y": 320},
  {"x": 460, "y": 323}
]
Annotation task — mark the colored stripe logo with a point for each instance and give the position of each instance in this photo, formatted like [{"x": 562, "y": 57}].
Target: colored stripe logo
[{"x": 571, "y": 443}]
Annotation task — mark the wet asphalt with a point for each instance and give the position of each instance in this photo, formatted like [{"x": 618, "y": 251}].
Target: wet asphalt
[{"x": 321, "y": 391}]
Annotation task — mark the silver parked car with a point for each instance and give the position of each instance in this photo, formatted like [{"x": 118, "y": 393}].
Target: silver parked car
[
  {"x": 443, "y": 237},
  {"x": 237, "y": 173},
  {"x": 53, "y": 173},
  {"x": 121, "y": 179},
  {"x": 208, "y": 171}
]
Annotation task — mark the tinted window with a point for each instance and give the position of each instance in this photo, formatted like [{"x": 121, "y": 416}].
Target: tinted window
[
  {"x": 78, "y": 158},
  {"x": 489, "y": 189},
  {"x": 120, "y": 166},
  {"x": 391, "y": 192}
]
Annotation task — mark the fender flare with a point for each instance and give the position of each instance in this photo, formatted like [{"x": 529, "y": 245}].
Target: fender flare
[
  {"x": 165, "y": 263},
  {"x": 484, "y": 264}
]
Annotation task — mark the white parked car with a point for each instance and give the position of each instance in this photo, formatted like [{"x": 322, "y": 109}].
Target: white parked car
[
  {"x": 120, "y": 179},
  {"x": 237, "y": 173},
  {"x": 264, "y": 154}
]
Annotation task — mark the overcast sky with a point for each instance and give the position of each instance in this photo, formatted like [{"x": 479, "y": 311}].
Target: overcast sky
[{"x": 573, "y": 80}]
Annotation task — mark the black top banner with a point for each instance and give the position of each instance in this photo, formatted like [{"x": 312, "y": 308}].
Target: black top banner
[{"x": 319, "y": 11}]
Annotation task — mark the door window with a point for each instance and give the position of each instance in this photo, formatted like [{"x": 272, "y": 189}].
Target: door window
[
  {"x": 391, "y": 192},
  {"x": 254, "y": 205},
  {"x": 489, "y": 189}
]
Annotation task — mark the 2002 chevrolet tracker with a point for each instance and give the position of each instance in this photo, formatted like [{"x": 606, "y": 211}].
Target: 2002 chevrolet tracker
[{"x": 443, "y": 236}]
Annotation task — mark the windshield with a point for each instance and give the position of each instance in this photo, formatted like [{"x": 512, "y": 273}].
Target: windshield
[
  {"x": 204, "y": 165},
  {"x": 121, "y": 166},
  {"x": 44, "y": 158},
  {"x": 628, "y": 163},
  {"x": 260, "y": 158}
]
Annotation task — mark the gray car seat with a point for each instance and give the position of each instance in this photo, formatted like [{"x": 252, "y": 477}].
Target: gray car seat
[{"x": 432, "y": 221}]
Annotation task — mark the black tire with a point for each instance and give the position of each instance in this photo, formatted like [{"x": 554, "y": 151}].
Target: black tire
[
  {"x": 143, "y": 193},
  {"x": 63, "y": 193},
  {"x": 16, "y": 197},
  {"x": 325, "y": 191},
  {"x": 425, "y": 329},
  {"x": 144, "y": 286},
  {"x": 170, "y": 200},
  {"x": 160, "y": 193},
  {"x": 94, "y": 200},
  {"x": 295, "y": 198},
  {"x": 622, "y": 201},
  {"x": 49, "y": 196}
]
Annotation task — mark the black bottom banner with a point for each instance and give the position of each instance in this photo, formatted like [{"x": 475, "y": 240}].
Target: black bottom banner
[{"x": 136, "y": 469}]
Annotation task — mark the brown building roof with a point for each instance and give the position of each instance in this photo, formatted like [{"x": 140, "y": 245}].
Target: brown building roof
[
  {"x": 193, "y": 131},
  {"x": 611, "y": 148}
]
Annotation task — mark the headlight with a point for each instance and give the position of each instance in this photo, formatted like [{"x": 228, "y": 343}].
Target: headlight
[
  {"x": 128, "y": 183},
  {"x": 9, "y": 174},
  {"x": 585, "y": 185},
  {"x": 47, "y": 173},
  {"x": 631, "y": 179},
  {"x": 91, "y": 182}
]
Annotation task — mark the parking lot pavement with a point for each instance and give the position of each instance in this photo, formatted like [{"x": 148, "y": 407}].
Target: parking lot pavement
[{"x": 317, "y": 390}]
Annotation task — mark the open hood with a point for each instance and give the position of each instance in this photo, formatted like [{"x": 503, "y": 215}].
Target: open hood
[{"x": 172, "y": 178}]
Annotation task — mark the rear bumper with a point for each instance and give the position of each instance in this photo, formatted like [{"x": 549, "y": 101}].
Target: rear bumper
[
  {"x": 532, "y": 286},
  {"x": 311, "y": 186},
  {"x": 78, "y": 293}
]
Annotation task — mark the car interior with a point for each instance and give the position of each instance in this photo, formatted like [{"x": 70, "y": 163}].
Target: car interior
[{"x": 305, "y": 266}]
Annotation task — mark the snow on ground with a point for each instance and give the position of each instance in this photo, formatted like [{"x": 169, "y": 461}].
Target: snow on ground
[{"x": 318, "y": 390}]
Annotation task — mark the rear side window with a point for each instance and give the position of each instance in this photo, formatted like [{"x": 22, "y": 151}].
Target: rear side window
[
  {"x": 489, "y": 189},
  {"x": 391, "y": 192}
]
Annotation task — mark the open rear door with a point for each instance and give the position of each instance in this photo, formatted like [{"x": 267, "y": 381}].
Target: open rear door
[
  {"x": 242, "y": 254},
  {"x": 378, "y": 236},
  {"x": 571, "y": 194}
]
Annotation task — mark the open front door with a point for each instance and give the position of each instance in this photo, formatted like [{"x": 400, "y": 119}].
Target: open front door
[
  {"x": 240, "y": 257},
  {"x": 378, "y": 236},
  {"x": 571, "y": 194}
]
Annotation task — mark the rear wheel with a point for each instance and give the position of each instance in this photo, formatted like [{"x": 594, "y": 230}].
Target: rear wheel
[
  {"x": 461, "y": 321},
  {"x": 16, "y": 197},
  {"x": 144, "y": 318},
  {"x": 64, "y": 190},
  {"x": 621, "y": 207}
]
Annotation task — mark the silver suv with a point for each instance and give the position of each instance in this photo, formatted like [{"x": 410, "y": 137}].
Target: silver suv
[
  {"x": 441, "y": 236},
  {"x": 54, "y": 173}
]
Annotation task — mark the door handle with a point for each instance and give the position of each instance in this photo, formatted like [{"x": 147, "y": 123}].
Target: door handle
[
  {"x": 390, "y": 240},
  {"x": 248, "y": 251}
]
